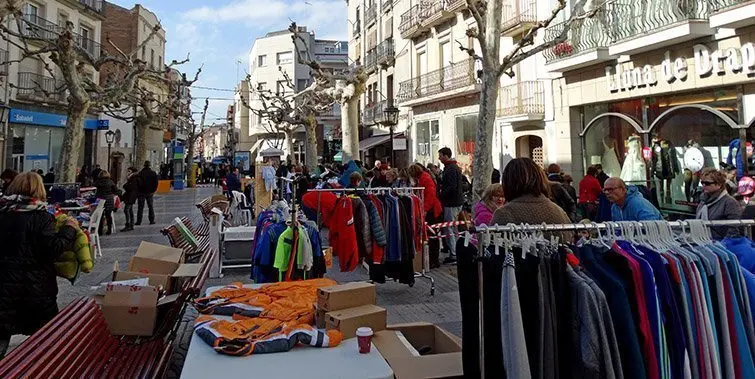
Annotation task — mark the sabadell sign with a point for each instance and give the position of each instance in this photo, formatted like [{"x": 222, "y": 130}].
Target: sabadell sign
[{"x": 717, "y": 62}]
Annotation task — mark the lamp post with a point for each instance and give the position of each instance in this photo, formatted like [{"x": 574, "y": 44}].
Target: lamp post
[
  {"x": 109, "y": 138},
  {"x": 390, "y": 119},
  {"x": 4, "y": 115}
]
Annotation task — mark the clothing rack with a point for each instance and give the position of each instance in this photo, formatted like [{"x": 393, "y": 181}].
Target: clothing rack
[
  {"x": 610, "y": 226},
  {"x": 425, "y": 248}
]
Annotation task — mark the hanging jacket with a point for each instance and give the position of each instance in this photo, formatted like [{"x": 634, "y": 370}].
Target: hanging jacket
[
  {"x": 636, "y": 208},
  {"x": 379, "y": 232},
  {"x": 342, "y": 235},
  {"x": 734, "y": 159},
  {"x": 79, "y": 259},
  {"x": 362, "y": 227}
]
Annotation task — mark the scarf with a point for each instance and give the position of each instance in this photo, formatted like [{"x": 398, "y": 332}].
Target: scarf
[
  {"x": 702, "y": 212},
  {"x": 20, "y": 203}
]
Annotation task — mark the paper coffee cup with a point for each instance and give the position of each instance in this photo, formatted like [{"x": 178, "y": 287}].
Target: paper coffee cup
[{"x": 364, "y": 339}]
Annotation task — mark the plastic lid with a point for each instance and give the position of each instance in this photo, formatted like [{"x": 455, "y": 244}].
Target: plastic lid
[{"x": 364, "y": 332}]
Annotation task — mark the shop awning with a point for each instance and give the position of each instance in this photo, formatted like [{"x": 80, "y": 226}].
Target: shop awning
[
  {"x": 256, "y": 146},
  {"x": 370, "y": 142}
]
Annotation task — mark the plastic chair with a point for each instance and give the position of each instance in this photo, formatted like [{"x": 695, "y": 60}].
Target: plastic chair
[
  {"x": 94, "y": 229},
  {"x": 241, "y": 212}
]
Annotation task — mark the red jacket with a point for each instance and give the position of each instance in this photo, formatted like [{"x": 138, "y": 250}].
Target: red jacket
[
  {"x": 343, "y": 237},
  {"x": 431, "y": 197},
  {"x": 589, "y": 189}
]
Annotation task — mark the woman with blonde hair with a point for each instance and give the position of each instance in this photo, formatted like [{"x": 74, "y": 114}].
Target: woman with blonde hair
[
  {"x": 491, "y": 200},
  {"x": 28, "y": 288}
]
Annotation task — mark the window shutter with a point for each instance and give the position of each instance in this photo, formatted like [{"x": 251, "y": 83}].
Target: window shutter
[{"x": 388, "y": 29}]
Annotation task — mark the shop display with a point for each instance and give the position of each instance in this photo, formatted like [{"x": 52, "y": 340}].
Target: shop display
[
  {"x": 665, "y": 165},
  {"x": 734, "y": 159},
  {"x": 610, "y": 161},
  {"x": 634, "y": 169}
]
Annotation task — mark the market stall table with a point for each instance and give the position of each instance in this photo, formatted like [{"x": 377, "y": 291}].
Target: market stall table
[{"x": 340, "y": 362}]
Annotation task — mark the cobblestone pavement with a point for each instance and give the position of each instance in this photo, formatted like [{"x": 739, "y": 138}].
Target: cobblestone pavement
[{"x": 404, "y": 303}]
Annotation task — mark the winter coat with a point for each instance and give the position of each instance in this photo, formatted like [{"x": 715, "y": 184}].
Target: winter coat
[
  {"x": 106, "y": 190},
  {"x": 72, "y": 262},
  {"x": 131, "y": 189},
  {"x": 28, "y": 288},
  {"x": 563, "y": 199},
  {"x": 482, "y": 214},
  {"x": 431, "y": 199},
  {"x": 232, "y": 182},
  {"x": 721, "y": 206},
  {"x": 665, "y": 163},
  {"x": 350, "y": 168},
  {"x": 362, "y": 228},
  {"x": 148, "y": 182},
  {"x": 534, "y": 210},
  {"x": 589, "y": 190},
  {"x": 636, "y": 208},
  {"x": 451, "y": 185}
]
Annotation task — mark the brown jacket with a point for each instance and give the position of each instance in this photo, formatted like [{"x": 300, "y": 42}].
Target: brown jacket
[{"x": 534, "y": 211}]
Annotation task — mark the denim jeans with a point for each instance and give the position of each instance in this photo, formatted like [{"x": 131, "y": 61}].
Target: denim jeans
[
  {"x": 128, "y": 210},
  {"x": 140, "y": 208},
  {"x": 450, "y": 214}
]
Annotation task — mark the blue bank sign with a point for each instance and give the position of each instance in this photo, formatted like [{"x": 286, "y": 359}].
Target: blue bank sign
[{"x": 20, "y": 116}]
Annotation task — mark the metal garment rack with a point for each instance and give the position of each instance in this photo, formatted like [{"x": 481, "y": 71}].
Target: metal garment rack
[
  {"x": 425, "y": 248},
  {"x": 562, "y": 228}
]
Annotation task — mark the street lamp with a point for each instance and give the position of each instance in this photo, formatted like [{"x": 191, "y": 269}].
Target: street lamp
[
  {"x": 4, "y": 116},
  {"x": 109, "y": 138},
  {"x": 390, "y": 119}
]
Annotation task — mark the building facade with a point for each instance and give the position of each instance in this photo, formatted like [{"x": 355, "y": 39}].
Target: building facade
[
  {"x": 657, "y": 99},
  {"x": 37, "y": 96},
  {"x": 269, "y": 57}
]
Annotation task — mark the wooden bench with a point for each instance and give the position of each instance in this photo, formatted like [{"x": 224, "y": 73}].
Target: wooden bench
[
  {"x": 77, "y": 344},
  {"x": 178, "y": 240},
  {"x": 205, "y": 206}
]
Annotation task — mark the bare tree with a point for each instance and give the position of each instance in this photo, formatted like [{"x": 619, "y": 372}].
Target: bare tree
[
  {"x": 75, "y": 58},
  {"x": 191, "y": 139},
  {"x": 487, "y": 15}
]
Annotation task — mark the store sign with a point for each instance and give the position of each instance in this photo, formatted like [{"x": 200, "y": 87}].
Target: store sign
[
  {"x": 20, "y": 116},
  {"x": 707, "y": 62}
]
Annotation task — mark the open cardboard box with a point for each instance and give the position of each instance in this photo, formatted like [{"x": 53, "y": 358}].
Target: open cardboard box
[
  {"x": 162, "y": 265},
  {"x": 132, "y": 310},
  {"x": 399, "y": 345}
]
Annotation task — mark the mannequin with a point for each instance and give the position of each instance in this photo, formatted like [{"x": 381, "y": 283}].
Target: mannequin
[
  {"x": 634, "y": 166},
  {"x": 610, "y": 160},
  {"x": 665, "y": 165}
]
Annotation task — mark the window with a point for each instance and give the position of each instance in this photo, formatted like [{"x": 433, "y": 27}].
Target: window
[
  {"x": 261, "y": 86},
  {"x": 144, "y": 53},
  {"x": 160, "y": 61},
  {"x": 466, "y": 133},
  {"x": 86, "y": 35},
  {"x": 152, "y": 58},
  {"x": 428, "y": 138},
  {"x": 62, "y": 20},
  {"x": 31, "y": 10},
  {"x": 284, "y": 58},
  {"x": 262, "y": 61}
]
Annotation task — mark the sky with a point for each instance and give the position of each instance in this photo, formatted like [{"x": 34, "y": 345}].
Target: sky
[{"x": 220, "y": 34}]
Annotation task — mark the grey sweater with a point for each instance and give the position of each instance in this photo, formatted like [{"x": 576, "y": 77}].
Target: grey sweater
[{"x": 727, "y": 208}]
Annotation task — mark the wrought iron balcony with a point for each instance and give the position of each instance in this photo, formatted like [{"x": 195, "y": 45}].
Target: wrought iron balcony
[
  {"x": 435, "y": 12},
  {"x": 357, "y": 29},
  {"x": 456, "y": 76},
  {"x": 636, "y": 18},
  {"x": 373, "y": 113},
  {"x": 4, "y": 58},
  {"x": 370, "y": 60},
  {"x": 38, "y": 27},
  {"x": 518, "y": 16},
  {"x": 456, "y": 5},
  {"x": 719, "y": 5},
  {"x": 95, "y": 5},
  {"x": 411, "y": 21},
  {"x": 586, "y": 34},
  {"x": 523, "y": 101},
  {"x": 370, "y": 15},
  {"x": 386, "y": 53},
  {"x": 33, "y": 86},
  {"x": 731, "y": 13}
]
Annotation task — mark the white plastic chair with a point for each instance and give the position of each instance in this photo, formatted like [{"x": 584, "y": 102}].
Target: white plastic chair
[
  {"x": 241, "y": 213},
  {"x": 94, "y": 229}
]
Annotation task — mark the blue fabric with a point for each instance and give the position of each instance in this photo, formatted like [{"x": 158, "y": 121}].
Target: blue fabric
[
  {"x": 232, "y": 182},
  {"x": 604, "y": 209},
  {"x": 735, "y": 159},
  {"x": 264, "y": 253},
  {"x": 314, "y": 238},
  {"x": 350, "y": 167},
  {"x": 636, "y": 208},
  {"x": 682, "y": 290},
  {"x": 632, "y": 362},
  {"x": 709, "y": 303},
  {"x": 393, "y": 253}
]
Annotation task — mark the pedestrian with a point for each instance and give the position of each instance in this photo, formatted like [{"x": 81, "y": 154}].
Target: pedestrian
[
  {"x": 391, "y": 178},
  {"x": 49, "y": 178},
  {"x": 233, "y": 183},
  {"x": 717, "y": 204},
  {"x": 95, "y": 172},
  {"x": 28, "y": 285},
  {"x": 589, "y": 193},
  {"x": 83, "y": 177},
  {"x": 106, "y": 191},
  {"x": 526, "y": 190},
  {"x": 221, "y": 174},
  {"x": 560, "y": 193},
  {"x": 147, "y": 187},
  {"x": 433, "y": 208},
  {"x": 601, "y": 175},
  {"x": 7, "y": 177},
  {"x": 355, "y": 180},
  {"x": 451, "y": 198},
  {"x": 130, "y": 194},
  {"x": 495, "y": 177},
  {"x": 628, "y": 202},
  {"x": 491, "y": 200}
]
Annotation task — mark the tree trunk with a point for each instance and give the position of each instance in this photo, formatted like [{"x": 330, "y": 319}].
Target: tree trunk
[
  {"x": 290, "y": 145},
  {"x": 350, "y": 129},
  {"x": 72, "y": 142},
  {"x": 140, "y": 141},
  {"x": 311, "y": 150},
  {"x": 192, "y": 174}
]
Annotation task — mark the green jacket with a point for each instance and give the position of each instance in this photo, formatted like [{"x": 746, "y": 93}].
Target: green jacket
[{"x": 70, "y": 263}]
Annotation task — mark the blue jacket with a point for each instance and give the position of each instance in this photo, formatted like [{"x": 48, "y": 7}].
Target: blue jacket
[
  {"x": 232, "y": 182},
  {"x": 735, "y": 159},
  {"x": 350, "y": 167},
  {"x": 636, "y": 208}
]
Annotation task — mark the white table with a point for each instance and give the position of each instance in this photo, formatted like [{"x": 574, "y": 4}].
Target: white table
[{"x": 340, "y": 362}]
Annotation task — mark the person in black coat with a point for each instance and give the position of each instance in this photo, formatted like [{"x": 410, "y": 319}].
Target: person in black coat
[
  {"x": 147, "y": 188},
  {"x": 28, "y": 288},
  {"x": 451, "y": 197},
  {"x": 106, "y": 190},
  {"x": 130, "y": 193}
]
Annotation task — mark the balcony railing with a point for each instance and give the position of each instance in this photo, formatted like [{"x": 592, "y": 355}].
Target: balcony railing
[
  {"x": 33, "y": 86},
  {"x": 639, "y": 17},
  {"x": 518, "y": 12},
  {"x": 95, "y": 5},
  {"x": 458, "y": 75},
  {"x": 357, "y": 29},
  {"x": 38, "y": 27},
  {"x": 370, "y": 15},
  {"x": 456, "y": 5},
  {"x": 370, "y": 60},
  {"x": 525, "y": 98},
  {"x": 435, "y": 12},
  {"x": 718, "y": 5},
  {"x": 386, "y": 52},
  {"x": 585, "y": 34},
  {"x": 373, "y": 113},
  {"x": 4, "y": 58},
  {"x": 411, "y": 20}
]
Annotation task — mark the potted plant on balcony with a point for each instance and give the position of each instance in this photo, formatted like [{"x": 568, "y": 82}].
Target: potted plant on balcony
[{"x": 562, "y": 49}]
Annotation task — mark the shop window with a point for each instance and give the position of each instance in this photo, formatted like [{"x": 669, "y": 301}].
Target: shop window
[
  {"x": 466, "y": 134},
  {"x": 428, "y": 139},
  {"x": 614, "y": 143}
]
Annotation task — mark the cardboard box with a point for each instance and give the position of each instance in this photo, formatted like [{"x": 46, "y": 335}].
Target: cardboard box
[
  {"x": 349, "y": 320},
  {"x": 399, "y": 345},
  {"x": 345, "y": 296},
  {"x": 162, "y": 265},
  {"x": 132, "y": 310},
  {"x": 320, "y": 316}
]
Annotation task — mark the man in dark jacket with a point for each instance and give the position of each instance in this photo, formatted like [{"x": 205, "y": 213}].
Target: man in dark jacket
[
  {"x": 147, "y": 188},
  {"x": 130, "y": 194},
  {"x": 451, "y": 197},
  {"x": 233, "y": 183}
]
